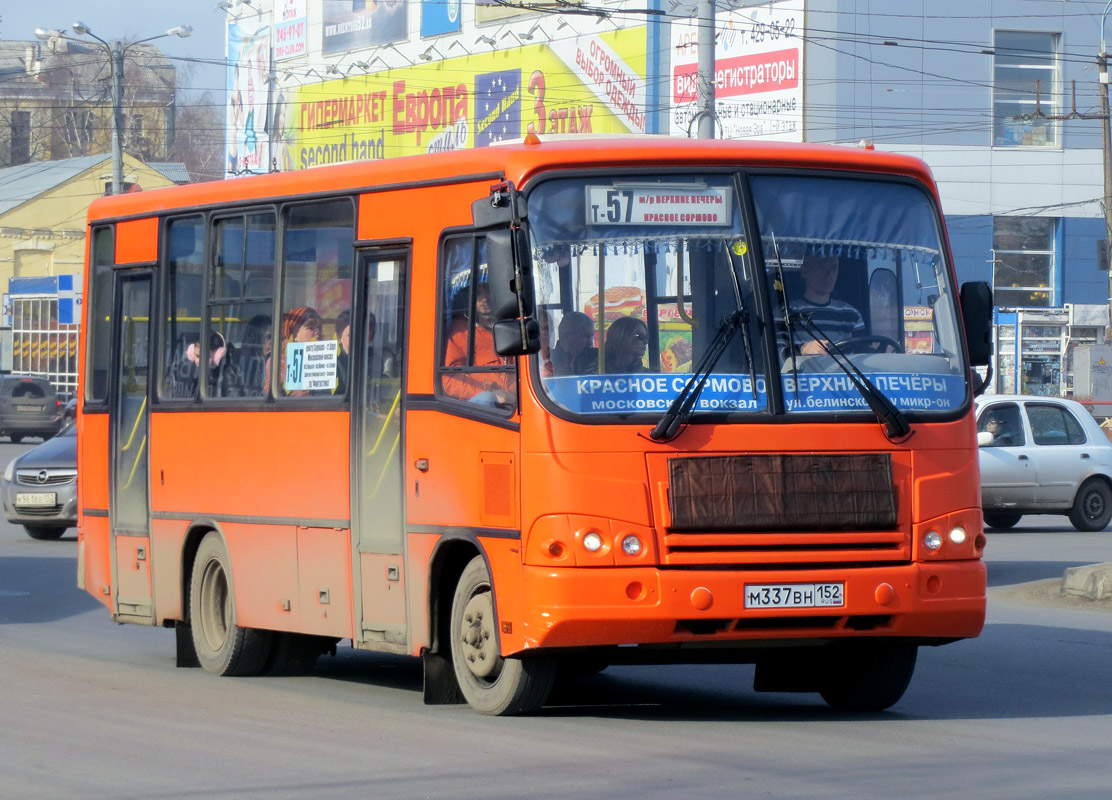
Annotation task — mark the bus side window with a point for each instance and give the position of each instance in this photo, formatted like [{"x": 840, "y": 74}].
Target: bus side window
[
  {"x": 182, "y": 303},
  {"x": 317, "y": 260},
  {"x": 469, "y": 369},
  {"x": 240, "y": 298}
]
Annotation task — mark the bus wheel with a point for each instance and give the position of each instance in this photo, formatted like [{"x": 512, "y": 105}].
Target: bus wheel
[
  {"x": 868, "y": 677},
  {"x": 491, "y": 684},
  {"x": 223, "y": 647}
]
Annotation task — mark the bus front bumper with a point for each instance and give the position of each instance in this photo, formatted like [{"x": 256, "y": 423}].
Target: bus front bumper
[{"x": 589, "y": 607}]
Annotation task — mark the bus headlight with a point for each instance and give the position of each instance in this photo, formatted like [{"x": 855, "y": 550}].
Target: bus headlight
[
  {"x": 631, "y": 545},
  {"x": 933, "y": 540},
  {"x": 958, "y": 535},
  {"x": 592, "y": 542}
]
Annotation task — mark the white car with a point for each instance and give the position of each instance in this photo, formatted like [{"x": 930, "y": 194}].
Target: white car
[{"x": 1042, "y": 455}]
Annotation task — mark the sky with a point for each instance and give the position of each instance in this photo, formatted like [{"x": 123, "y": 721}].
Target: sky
[{"x": 130, "y": 20}]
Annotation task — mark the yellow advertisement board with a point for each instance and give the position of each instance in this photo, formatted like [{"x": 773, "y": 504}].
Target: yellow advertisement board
[{"x": 589, "y": 84}]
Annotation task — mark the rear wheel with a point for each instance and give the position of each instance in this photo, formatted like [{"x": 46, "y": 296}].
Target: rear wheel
[
  {"x": 17, "y": 438},
  {"x": 44, "y": 532},
  {"x": 490, "y": 683},
  {"x": 1002, "y": 520},
  {"x": 223, "y": 647},
  {"x": 1092, "y": 508},
  {"x": 869, "y": 677}
]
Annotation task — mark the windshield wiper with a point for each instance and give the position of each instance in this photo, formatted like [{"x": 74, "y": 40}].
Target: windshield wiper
[
  {"x": 890, "y": 417},
  {"x": 680, "y": 408}
]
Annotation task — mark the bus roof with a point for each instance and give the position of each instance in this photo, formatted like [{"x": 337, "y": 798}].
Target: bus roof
[{"x": 518, "y": 162}]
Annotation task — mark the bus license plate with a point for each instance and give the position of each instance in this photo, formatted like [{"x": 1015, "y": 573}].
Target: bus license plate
[
  {"x": 795, "y": 595},
  {"x": 36, "y": 499}
]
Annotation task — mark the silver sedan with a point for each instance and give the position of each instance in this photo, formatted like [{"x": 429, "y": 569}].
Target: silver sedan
[
  {"x": 40, "y": 487},
  {"x": 1043, "y": 455}
]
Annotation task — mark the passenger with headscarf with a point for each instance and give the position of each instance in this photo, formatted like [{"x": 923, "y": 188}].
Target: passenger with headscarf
[{"x": 301, "y": 324}]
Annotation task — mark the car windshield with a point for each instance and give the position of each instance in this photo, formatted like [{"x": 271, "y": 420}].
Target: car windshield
[{"x": 638, "y": 277}]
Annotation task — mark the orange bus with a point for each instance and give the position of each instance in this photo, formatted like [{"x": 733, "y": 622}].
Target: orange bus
[{"x": 539, "y": 407}]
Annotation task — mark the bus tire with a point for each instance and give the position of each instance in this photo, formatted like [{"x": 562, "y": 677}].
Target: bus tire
[
  {"x": 869, "y": 677},
  {"x": 223, "y": 647},
  {"x": 490, "y": 683},
  {"x": 1092, "y": 507}
]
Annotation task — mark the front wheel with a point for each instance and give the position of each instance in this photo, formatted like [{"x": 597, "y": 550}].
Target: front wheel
[
  {"x": 869, "y": 677},
  {"x": 490, "y": 683},
  {"x": 1002, "y": 520},
  {"x": 17, "y": 438},
  {"x": 1092, "y": 508},
  {"x": 223, "y": 647}
]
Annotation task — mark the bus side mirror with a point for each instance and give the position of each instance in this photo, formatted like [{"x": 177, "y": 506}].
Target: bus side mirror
[
  {"x": 516, "y": 337},
  {"x": 510, "y": 273},
  {"x": 976, "y": 312}
]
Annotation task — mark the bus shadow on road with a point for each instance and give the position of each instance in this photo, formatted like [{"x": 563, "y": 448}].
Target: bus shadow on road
[{"x": 1011, "y": 672}]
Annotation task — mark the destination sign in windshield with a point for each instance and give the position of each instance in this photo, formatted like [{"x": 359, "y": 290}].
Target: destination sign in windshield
[{"x": 663, "y": 204}]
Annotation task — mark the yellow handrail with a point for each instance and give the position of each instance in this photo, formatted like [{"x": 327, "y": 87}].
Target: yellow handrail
[
  {"x": 135, "y": 427},
  {"x": 135, "y": 463}
]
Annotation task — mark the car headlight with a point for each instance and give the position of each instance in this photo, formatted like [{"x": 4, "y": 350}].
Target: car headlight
[{"x": 9, "y": 471}]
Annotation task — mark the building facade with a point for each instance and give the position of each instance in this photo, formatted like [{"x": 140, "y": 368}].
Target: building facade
[
  {"x": 55, "y": 101},
  {"x": 1000, "y": 97}
]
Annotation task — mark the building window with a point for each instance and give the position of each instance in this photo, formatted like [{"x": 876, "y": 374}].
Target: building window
[
  {"x": 20, "y": 138},
  {"x": 1026, "y": 82},
  {"x": 1024, "y": 261}
]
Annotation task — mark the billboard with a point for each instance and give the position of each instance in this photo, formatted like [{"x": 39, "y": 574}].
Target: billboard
[
  {"x": 290, "y": 30},
  {"x": 758, "y": 73},
  {"x": 356, "y": 24},
  {"x": 593, "y": 84},
  {"x": 439, "y": 17},
  {"x": 249, "y": 99}
]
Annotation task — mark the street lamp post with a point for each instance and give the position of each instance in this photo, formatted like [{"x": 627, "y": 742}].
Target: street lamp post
[{"x": 116, "y": 52}]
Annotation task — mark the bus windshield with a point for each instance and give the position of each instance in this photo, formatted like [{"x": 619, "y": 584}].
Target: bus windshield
[
  {"x": 638, "y": 277},
  {"x": 855, "y": 273},
  {"x": 634, "y": 278}
]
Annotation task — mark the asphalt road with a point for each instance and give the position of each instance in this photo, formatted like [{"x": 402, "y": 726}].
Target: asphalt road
[{"x": 90, "y": 709}]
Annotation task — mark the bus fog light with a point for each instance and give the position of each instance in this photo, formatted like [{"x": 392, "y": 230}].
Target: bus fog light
[
  {"x": 592, "y": 542},
  {"x": 933, "y": 540},
  {"x": 958, "y": 535},
  {"x": 631, "y": 545}
]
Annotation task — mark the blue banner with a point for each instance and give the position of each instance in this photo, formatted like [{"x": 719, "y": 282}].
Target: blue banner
[
  {"x": 652, "y": 392},
  {"x": 439, "y": 16}
]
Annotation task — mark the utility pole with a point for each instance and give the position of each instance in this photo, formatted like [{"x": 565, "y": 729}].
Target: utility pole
[
  {"x": 705, "y": 114},
  {"x": 116, "y": 62},
  {"x": 116, "y": 52}
]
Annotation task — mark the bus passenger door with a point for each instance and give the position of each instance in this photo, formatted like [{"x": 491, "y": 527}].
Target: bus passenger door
[
  {"x": 129, "y": 504},
  {"x": 378, "y": 517}
]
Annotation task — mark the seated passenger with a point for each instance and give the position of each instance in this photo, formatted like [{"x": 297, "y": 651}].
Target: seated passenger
[
  {"x": 835, "y": 319},
  {"x": 626, "y": 342},
  {"x": 493, "y": 388},
  {"x": 301, "y": 324},
  {"x": 573, "y": 353}
]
